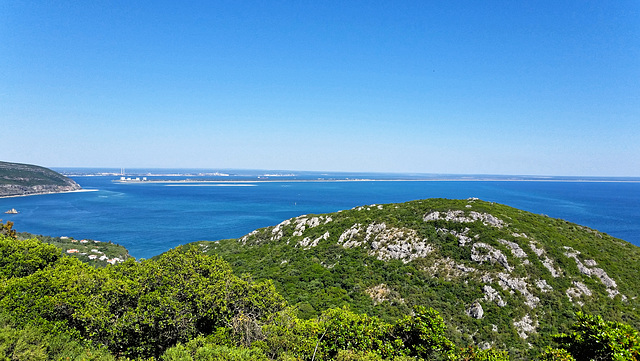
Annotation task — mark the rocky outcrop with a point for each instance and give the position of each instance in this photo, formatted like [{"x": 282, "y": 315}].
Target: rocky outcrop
[
  {"x": 587, "y": 268},
  {"x": 475, "y": 311},
  {"x": 546, "y": 261},
  {"x": 482, "y": 252},
  {"x": 525, "y": 326},
  {"x": 578, "y": 290},
  {"x": 491, "y": 295},
  {"x": 386, "y": 243},
  {"x": 461, "y": 217},
  {"x": 307, "y": 243},
  {"x": 515, "y": 250}
]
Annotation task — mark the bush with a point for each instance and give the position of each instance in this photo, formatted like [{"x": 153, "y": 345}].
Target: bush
[{"x": 592, "y": 338}]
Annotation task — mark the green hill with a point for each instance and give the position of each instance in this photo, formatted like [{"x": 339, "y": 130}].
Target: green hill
[
  {"x": 24, "y": 179},
  {"x": 458, "y": 280},
  {"x": 499, "y": 276}
]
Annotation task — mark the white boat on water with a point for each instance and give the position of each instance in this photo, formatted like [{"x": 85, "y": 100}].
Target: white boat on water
[{"x": 12, "y": 211}]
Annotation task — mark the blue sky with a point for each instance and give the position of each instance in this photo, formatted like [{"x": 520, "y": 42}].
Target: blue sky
[{"x": 491, "y": 87}]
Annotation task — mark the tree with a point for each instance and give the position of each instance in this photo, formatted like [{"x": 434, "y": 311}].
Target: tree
[
  {"x": 592, "y": 338},
  {"x": 423, "y": 334},
  {"x": 22, "y": 258},
  {"x": 6, "y": 229}
]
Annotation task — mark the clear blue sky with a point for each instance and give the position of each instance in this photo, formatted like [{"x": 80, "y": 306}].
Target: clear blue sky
[{"x": 492, "y": 87}]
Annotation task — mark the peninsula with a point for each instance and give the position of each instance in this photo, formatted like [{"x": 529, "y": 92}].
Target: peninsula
[{"x": 25, "y": 179}]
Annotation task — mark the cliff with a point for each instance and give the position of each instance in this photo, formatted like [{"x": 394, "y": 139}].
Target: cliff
[{"x": 25, "y": 179}]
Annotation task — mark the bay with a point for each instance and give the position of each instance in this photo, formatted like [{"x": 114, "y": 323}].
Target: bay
[{"x": 150, "y": 218}]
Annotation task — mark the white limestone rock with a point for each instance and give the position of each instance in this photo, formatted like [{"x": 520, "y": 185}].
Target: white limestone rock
[
  {"x": 578, "y": 290},
  {"x": 491, "y": 295},
  {"x": 518, "y": 284},
  {"x": 395, "y": 243},
  {"x": 543, "y": 286},
  {"x": 307, "y": 243},
  {"x": 546, "y": 261},
  {"x": 475, "y": 311},
  {"x": 460, "y": 217},
  {"x": 348, "y": 238},
  {"x": 525, "y": 326},
  {"x": 482, "y": 252}
]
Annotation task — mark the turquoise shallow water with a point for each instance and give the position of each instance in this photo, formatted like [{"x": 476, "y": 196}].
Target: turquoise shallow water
[{"x": 150, "y": 218}]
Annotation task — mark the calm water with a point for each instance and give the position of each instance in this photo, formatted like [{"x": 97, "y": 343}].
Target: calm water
[{"x": 151, "y": 218}]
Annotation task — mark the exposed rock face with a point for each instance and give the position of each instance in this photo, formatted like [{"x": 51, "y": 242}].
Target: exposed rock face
[
  {"x": 518, "y": 284},
  {"x": 303, "y": 222},
  {"x": 306, "y": 243},
  {"x": 11, "y": 190},
  {"x": 546, "y": 261},
  {"x": 386, "y": 243},
  {"x": 448, "y": 269},
  {"x": 396, "y": 243},
  {"x": 475, "y": 311},
  {"x": 463, "y": 237},
  {"x": 578, "y": 290},
  {"x": 525, "y": 326},
  {"x": 543, "y": 286},
  {"x": 460, "y": 217},
  {"x": 515, "y": 249},
  {"x": 612, "y": 286},
  {"x": 482, "y": 252},
  {"x": 277, "y": 231},
  {"x": 491, "y": 295},
  {"x": 348, "y": 239}
]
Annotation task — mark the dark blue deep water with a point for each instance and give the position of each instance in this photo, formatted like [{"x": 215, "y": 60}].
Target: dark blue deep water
[{"x": 150, "y": 218}]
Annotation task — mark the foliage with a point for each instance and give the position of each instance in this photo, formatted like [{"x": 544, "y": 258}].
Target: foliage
[
  {"x": 22, "y": 258},
  {"x": 423, "y": 334},
  {"x": 34, "y": 344},
  {"x": 92, "y": 252},
  {"x": 138, "y": 309},
  {"x": 592, "y": 338},
  {"x": 315, "y": 276},
  {"x": 342, "y": 334},
  {"x": 475, "y": 354},
  {"x": 30, "y": 175},
  {"x": 6, "y": 229},
  {"x": 200, "y": 349},
  {"x": 555, "y": 354},
  {"x": 188, "y": 304}
]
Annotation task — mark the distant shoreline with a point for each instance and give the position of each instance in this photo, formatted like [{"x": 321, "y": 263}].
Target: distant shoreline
[
  {"x": 178, "y": 181},
  {"x": 44, "y": 193}
]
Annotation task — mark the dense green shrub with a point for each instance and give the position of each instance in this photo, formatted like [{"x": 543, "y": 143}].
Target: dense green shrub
[
  {"x": 592, "y": 338},
  {"x": 22, "y": 258},
  {"x": 199, "y": 349},
  {"x": 138, "y": 309}
]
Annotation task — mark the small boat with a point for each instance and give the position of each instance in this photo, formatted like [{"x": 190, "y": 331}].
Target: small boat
[{"x": 12, "y": 211}]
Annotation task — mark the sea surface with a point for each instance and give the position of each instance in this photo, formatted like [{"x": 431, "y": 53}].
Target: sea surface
[{"x": 152, "y": 217}]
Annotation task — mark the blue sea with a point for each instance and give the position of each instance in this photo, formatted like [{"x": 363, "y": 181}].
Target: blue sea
[{"x": 150, "y": 218}]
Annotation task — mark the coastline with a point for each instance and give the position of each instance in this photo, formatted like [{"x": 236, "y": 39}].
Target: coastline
[
  {"x": 44, "y": 193},
  {"x": 185, "y": 181}
]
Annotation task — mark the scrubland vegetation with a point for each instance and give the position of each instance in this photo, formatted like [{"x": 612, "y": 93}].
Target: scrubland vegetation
[{"x": 191, "y": 304}]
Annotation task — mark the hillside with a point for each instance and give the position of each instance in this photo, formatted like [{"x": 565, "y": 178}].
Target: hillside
[
  {"x": 92, "y": 252},
  {"x": 499, "y": 276},
  {"x": 24, "y": 179}
]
